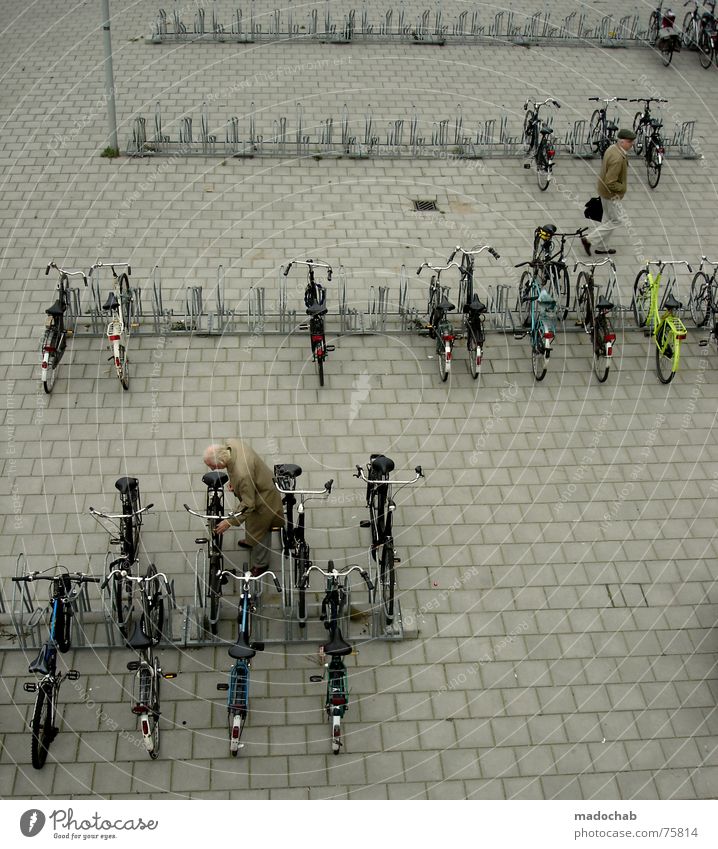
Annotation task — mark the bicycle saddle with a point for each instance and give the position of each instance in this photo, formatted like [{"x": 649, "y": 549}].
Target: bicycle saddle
[
  {"x": 338, "y": 647},
  {"x": 381, "y": 465},
  {"x": 611, "y": 128},
  {"x": 475, "y": 306},
  {"x": 139, "y": 640},
  {"x": 317, "y": 309},
  {"x": 546, "y": 130},
  {"x": 111, "y": 303},
  {"x": 446, "y": 305},
  {"x": 655, "y": 123},
  {"x": 603, "y": 304},
  {"x": 241, "y": 650},
  {"x": 671, "y": 303},
  {"x": 215, "y": 480},
  {"x": 56, "y": 310},
  {"x": 284, "y": 470},
  {"x": 126, "y": 485},
  {"x": 40, "y": 663}
]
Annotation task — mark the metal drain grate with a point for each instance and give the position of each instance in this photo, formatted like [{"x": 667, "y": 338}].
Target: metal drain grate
[{"x": 425, "y": 206}]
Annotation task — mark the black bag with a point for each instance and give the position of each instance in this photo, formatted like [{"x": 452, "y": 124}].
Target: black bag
[{"x": 594, "y": 209}]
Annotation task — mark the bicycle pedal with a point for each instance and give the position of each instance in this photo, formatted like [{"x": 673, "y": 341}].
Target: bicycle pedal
[
  {"x": 365, "y": 523},
  {"x": 72, "y": 675},
  {"x": 303, "y": 327},
  {"x": 527, "y": 165},
  {"x": 329, "y": 348},
  {"x": 223, "y": 686},
  {"x": 397, "y": 560},
  {"x": 703, "y": 343}
]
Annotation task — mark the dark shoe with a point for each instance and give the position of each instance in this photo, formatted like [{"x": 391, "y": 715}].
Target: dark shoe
[
  {"x": 586, "y": 245},
  {"x": 609, "y": 251},
  {"x": 256, "y": 571},
  {"x": 243, "y": 544}
]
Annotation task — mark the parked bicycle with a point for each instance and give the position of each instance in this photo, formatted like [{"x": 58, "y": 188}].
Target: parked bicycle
[
  {"x": 667, "y": 329},
  {"x": 147, "y": 633},
  {"x": 242, "y": 652},
  {"x": 119, "y": 306},
  {"x": 334, "y": 606},
  {"x": 540, "y": 311},
  {"x": 438, "y": 307},
  {"x": 296, "y": 553},
  {"x": 64, "y": 589},
  {"x": 381, "y": 505},
  {"x": 209, "y": 577},
  {"x": 125, "y": 532},
  {"x": 704, "y": 293},
  {"x": 649, "y": 141},
  {"x": 537, "y": 142},
  {"x": 697, "y": 22},
  {"x": 315, "y": 300},
  {"x": 708, "y": 43},
  {"x": 555, "y": 276},
  {"x": 473, "y": 310},
  {"x": 54, "y": 339},
  {"x": 601, "y": 131},
  {"x": 663, "y": 34},
  {"x": 594, "y": 315}
]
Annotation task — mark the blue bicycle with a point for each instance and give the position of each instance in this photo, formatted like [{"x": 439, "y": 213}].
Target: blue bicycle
[
  {"x": 242, "y": 652},
  {"x": 540, "y": 315}
]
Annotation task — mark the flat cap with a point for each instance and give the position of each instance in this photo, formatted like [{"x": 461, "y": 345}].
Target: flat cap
[{"x": 626, "y": 134}]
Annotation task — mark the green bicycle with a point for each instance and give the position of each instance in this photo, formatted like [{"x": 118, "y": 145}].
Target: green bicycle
[{"x": 667, "y": 329}]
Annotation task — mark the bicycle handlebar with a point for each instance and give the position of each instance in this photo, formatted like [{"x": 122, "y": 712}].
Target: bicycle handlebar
[
  {"x": 360, "y": 474},
  {"x": 218, "y": 518},
  {"x": 138, "y": 579},
  {"x": 248, "y": 576},
  {"x": 437, "y": 268},
  {"x": 77, "y": 577},
  {"x": 336, "y": 574},
  {"x": 709, "y": 261},
  {"x": 475, "y": 251},
  {"x": 326, "y": 491},
  {"x": 310, "y": 263},
  {"x": 594, "y": 264},
  {"x": 647, "y": 100},
  {"x": 94, "y": 512},
  {"x": 100, "y": 264},
  {"x": 543, "y": 103},
  {"x": 608, "y": 100},
  {"x": 663, "y": 262},
  {"x": 65, "y": 272}
]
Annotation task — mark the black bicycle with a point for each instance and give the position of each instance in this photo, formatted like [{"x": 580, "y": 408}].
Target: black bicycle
[
  {"x": 242, "y": 652},
  {"x": 649, "y": 141},
  {"x": 315, "y": 301},
  {"x": 663, "y": 34},
  {"x": 54, "y": 339},
  {"x": 473, "y": 309},
  {"x": 125, "y": 533},
  {"x": 334, "y": 606},
  {"x": 64, "y": 589},
  {"x": 704, "y": 293},
  {"x": 296, "y": 553},
  {"x": 593, "y": 314},
  {"x": 438, "y": 307},
  {"x": 381, "y": 504},
  {"x": 147, "y": 633},
  {"x": 209, "y": 578},
  {"x": 549, "y": 259},
  {"x": 537, "y": 143},
  {"x": 601, "y": 131}
]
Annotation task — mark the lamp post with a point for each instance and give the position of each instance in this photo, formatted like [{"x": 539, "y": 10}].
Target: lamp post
[{"x": 109, "y": 78}]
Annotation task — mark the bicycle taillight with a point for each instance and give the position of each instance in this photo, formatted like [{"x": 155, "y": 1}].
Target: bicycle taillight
[
  {"x": 550, "y": 152},
  {"x": 548, "y": 335}
]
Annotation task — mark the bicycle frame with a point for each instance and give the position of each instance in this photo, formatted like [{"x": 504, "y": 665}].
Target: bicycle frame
[{"x": 119, "y": 306}]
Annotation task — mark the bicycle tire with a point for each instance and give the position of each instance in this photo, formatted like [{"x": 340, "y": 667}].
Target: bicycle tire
[
  {"x": 320, "y": 369},
  {"x": 639, "y": 128},
  {"x": 443, "y": 360},
  {"x": 560, "y": 286},
  {"x": 700, "y": 299},
  {"x": 653, "y": 27},
  {"x": 63, "y": 628},
  {"x": 474, "y": 349},
  {"x": 582, "y": 302},
  {"x": 538, "y": 357},
  {"x": 50, "y": 359},
  {"x": 387, "y": 579},
  {"x": 239, "y": 696},
  {"x": 687, "y": 32},
  {"x": 653, "y": 165},
  {"x": 530, "y": 132},
  {"x": 125, "y": 301},
  {"x": 130, "y": 526},
  {"x": 155, "y": 622},
  {"x": 665, "y": 361},
  {"x": 214, "y": 593},
  {"x": 122, "y": 602},
  {"x": 601, "y": 363},
  {"x": 523, "y": 306},
  {"x": 149, "y": 697},
  {"x": 302, "y": 566},
  {"x": 543, "y": 169},
  {"x": 595, "y": 131},
  {"x": 705, "y": 49},
  {"x": 122, "y": 366},
  {"x": 641, "y": 298},
  {"x": 43, "y": 731},
  {"x": 666, "y": 52}
]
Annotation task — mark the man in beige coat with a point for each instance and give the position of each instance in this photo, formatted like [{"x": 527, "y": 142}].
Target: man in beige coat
[
  {"x": 612, "y": 185},
  {"x": 260, "y": 504}
]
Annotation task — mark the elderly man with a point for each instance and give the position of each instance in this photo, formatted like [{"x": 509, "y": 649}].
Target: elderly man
[
  {"x": 261, "y": 505},
  {"x": 612, "y": 185}
]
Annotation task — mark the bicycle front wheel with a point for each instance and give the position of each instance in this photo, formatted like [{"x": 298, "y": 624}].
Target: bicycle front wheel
[
  {"x": 705, "y": 49},
  {"x": 688, "y": 33},
  {"x": 639, "y": 128},
  {"x": 641, "y": 298},
  {"x": 122, "y": 602},
  {"x": 666, "y": 353},
  {"x": 63, "y": 627},
  {"x": 530, "y": 132},
  {"x": 595, "y": 131},
  {"x": 653, "y": 24},
  {"x": 583, "y": 307},
  {"x": 43, "y": 730},
  {"x": 700, "y": 302},
  {"x": 302, "y": 566},
  {"x": 523, "y": 306},
  {"x": 666, "y": 51},
  {"x": 601, "y": 362},
  {"x": 155, "y": 608},
  {"x": 125, "y": 301},
  {"x": 560, "y": 288},
  {"x": 387, "y": 579},
  {"x": 653, "y": 165}
]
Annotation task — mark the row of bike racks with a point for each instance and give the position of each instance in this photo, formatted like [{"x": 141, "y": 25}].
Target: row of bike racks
[
  {"x": 428, "y": 26},
  {"x": 412, "y": 137},
  {"x": 203, "y": 310}
]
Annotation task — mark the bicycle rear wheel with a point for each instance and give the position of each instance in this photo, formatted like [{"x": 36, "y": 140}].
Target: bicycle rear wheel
[
  {"x": 50, "y": 358},
  {"x": 122, "y": 601},
  {"x": 705, "y": 49},
  {"x": 538, "y": 356},
  {"x": 474, "y": 347},
  {"x": 583, "y": 308},
  {"x": 560, "y": 287},
  {"x": 43, "y": 730},
  {"x": 149, "y": 697},
  {"x": 443, "y": 357},
  {"x": 214, "y": 591},
  {"x": 122, "y": 366},
  {"x": 700, "y": 303},
  {"x": 595, "y": 131},
  {"x": 653, "y": 165},
  {"x": 302, "y": 566},
  {"x": 524, "y": 306},
  {"x": 653, "y": 25},
  {"x": 155, "y": 608},
  {"x": 666, "y": 353},
  {"x": 601, "y": 363},
  {"x": 320, "y": 370},
  {"x": 688, "y": 32},
  {"x": 125, "y": 301},
  {"x": 543, "y": 169},
  {"x": 238, "y": 707},
  {"x": 387, "y": 580},
  {"x": 666, "y": 51},
  {"x": 641, "y": 298}
]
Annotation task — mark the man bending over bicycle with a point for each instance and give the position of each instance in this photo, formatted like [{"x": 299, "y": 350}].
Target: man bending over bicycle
[{"x": 250, "y": 479}]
